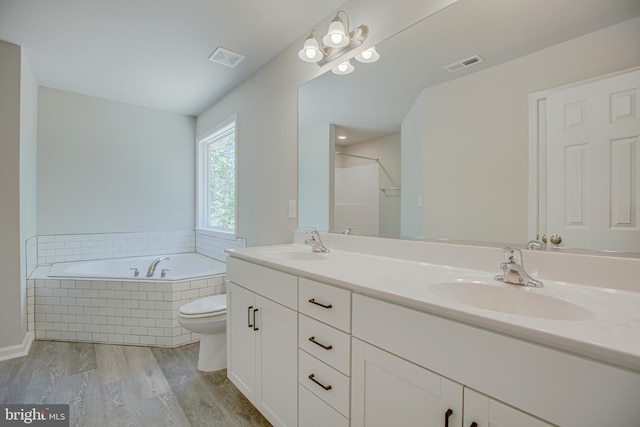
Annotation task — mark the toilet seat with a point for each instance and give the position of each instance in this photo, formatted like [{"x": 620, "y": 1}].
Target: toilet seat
[{"x": 205, "y": 307}]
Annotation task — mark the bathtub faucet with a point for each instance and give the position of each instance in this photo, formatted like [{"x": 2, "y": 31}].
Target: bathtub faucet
[{"x": 154, "y": 264}]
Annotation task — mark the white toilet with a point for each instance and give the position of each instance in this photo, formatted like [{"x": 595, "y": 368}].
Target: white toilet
[{"x": 208, "y": 317}]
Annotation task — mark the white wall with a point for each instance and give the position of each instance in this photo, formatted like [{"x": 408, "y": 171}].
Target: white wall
[
  {"x": 316, "y": 149},
  {"x": 105, "y": 166},
  {"x": 267, "y": 106},
  {"x": 17, "y": 190},
  {"x": 28, "y": 171},
  {"x": 387, "y": 149},
  {"x": 10, "y": 310},
  {"x": 485, "y": 162}
]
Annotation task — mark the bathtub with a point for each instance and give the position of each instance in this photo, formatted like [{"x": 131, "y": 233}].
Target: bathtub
[
  {"x": 177, "y": 267},
  {"x": 103, "y": 302}
]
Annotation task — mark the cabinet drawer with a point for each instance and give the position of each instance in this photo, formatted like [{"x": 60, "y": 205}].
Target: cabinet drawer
[
  {"x": 314, "y": 337},
  {"x": 325, "y": 303},
  {"x": 275, "y": 285},
  {"x": 325, "y": 382},
  {"x": 315, "y": 413}
]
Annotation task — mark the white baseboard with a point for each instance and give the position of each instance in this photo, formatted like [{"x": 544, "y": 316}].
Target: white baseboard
[{"x": 19, "y": 350}]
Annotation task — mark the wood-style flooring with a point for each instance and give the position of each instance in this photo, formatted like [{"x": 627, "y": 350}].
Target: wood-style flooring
[{"x": 112, "y": 385}]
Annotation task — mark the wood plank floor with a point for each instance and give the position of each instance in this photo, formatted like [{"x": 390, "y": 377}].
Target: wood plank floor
[{"x": 112, "y": 385}]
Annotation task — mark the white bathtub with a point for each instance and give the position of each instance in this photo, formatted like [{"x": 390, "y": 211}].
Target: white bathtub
[{"x": 178, "y": 267}]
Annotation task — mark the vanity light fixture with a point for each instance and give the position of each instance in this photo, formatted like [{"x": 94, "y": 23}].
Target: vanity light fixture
[{"x": 338, "y": 41}]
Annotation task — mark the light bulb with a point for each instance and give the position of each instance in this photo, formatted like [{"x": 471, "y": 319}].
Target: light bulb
[
  {"x": 336, "y": 35},
  {"x": 368, "y": 55},
  {"x": 343, "y": 68},
  {"x": 310, "y": 52}
]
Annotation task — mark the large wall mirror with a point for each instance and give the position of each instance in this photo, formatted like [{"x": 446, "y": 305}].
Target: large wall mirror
[{"x": 428, "y": 153}]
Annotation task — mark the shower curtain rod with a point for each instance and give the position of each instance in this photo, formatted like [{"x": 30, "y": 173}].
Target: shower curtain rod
[{"x": 355, "y": 155}]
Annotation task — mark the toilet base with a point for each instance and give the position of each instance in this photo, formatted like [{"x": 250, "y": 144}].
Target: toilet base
[{"x": 213, "y": 352}]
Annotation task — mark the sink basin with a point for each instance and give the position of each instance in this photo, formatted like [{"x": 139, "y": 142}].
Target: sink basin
[
  {"x": 293, "y": 254},
  {"x": 511, "y": 300}
]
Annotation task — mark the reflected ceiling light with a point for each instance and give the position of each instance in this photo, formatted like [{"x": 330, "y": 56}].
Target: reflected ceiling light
[
  {"x": 338, "y": 41},
  {"x": 342, "y": 137},
  {"x": 343, "y": 68},
  {"x": 368, "y": 55}
]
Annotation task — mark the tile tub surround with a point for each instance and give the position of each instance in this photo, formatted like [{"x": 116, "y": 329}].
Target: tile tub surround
[
  {"x": 119, "y": 312},
  {"x": 82, "y": 247}
]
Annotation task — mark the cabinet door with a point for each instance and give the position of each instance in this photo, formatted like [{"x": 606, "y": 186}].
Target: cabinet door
[
  {"x": 486, "y": 412},
  {"x": 241, "y": 339},
  {"x": 390, "y": 391},
  {"x": 277, "y": 362}
]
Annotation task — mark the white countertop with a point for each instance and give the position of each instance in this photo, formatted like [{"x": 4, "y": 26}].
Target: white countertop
[{"x": 611, "y": 336}]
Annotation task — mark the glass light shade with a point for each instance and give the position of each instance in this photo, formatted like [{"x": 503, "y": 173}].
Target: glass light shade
[
  {"x": 368, "y": 55},
  {"x": 336, "y": 36},
  {"x": 343, "y": 68},
  {"x": 310, "y": 52}
]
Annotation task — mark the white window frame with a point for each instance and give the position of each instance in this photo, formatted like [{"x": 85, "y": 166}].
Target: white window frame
[{"x": 202, "y": 193}]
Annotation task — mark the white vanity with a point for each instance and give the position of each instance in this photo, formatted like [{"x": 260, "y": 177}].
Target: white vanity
[{"x": 381, "y": 333}]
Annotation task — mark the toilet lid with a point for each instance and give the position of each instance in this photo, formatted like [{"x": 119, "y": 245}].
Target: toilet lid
[{"x": 208, "y": 305}]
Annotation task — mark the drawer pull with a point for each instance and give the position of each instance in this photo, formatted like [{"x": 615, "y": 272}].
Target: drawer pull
[
  {"x": 326, "y": 347},
  {"x": 313, "y": 301},
  {"x": 446, "y": 417},
  {"x": 249, "y": 325},
  {"x": 255, "y": 324},
  {"x": 312, "y": 378}
]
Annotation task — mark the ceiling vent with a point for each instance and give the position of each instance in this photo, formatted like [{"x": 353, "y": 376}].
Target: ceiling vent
[
  {"x": 465, "y": 63},
  {"x": 226, "y": 57}
]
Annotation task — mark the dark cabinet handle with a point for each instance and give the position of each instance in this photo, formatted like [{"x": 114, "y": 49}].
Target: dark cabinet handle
[
  {"x": 326, "y": 347},
  {"x": 446, "y": 417},
  {"x": 255, "y": 324},
  {"x": 474, "y": 424},
  {"x": 249, "y": 325},
  {"x": 313, "y": 301},
  {"x": 312, "y": 378}
]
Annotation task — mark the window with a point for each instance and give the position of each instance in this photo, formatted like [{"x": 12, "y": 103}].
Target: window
[{"x": 217, "y": 156}]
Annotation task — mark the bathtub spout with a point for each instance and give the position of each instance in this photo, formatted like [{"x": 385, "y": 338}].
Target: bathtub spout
[{"x": 154, "y": 264}]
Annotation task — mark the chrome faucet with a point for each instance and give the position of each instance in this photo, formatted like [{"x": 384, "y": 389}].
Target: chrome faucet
[
  {"x": 154, "y": 264},
  {"x": 316, "y": 242},
  {"x": 514, "y": 272}
]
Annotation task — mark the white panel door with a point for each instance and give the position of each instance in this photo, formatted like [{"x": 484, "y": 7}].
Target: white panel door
[
  {"x": 593, "y": 164},
  {"x": 482, "y": 411},
  {"x": 241, "y": 339},
  {"x": 277, "y": 359},
  {"x": 389, "y": 391}
]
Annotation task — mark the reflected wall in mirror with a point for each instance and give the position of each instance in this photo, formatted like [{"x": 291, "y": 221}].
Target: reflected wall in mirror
[{"x": 463, "y": 169}]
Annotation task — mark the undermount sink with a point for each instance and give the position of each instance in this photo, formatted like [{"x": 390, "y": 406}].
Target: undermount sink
[
  {"x": 511, "y": 299},
  {"x": 293, "y": 254}
]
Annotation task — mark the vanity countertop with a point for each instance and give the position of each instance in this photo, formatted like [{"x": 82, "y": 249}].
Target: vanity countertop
[{"x": 610, "y": 334}]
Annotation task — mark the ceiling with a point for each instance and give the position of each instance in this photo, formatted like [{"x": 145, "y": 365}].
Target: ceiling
[{"x": 154, "y": 53}]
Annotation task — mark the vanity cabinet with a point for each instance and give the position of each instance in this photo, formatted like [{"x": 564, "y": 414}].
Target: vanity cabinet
[
  {"x": 537, "y": 386},
  {"x": 262, "y": 331},
  {"x": 312, "y": 354},
  {"x": 324, "y": 354},
  {"x": 388, "y": 390}
]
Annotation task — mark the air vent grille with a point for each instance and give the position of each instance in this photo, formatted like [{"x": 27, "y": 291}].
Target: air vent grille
[
  {"x": 226, "y": 57},
  {"x": 465, "y": 63}
]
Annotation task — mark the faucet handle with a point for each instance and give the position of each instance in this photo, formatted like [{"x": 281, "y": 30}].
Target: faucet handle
[{"x": 513, "y": 254}]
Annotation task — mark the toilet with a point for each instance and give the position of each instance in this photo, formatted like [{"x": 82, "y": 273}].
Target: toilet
[{"x": 208, "y": 317}]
